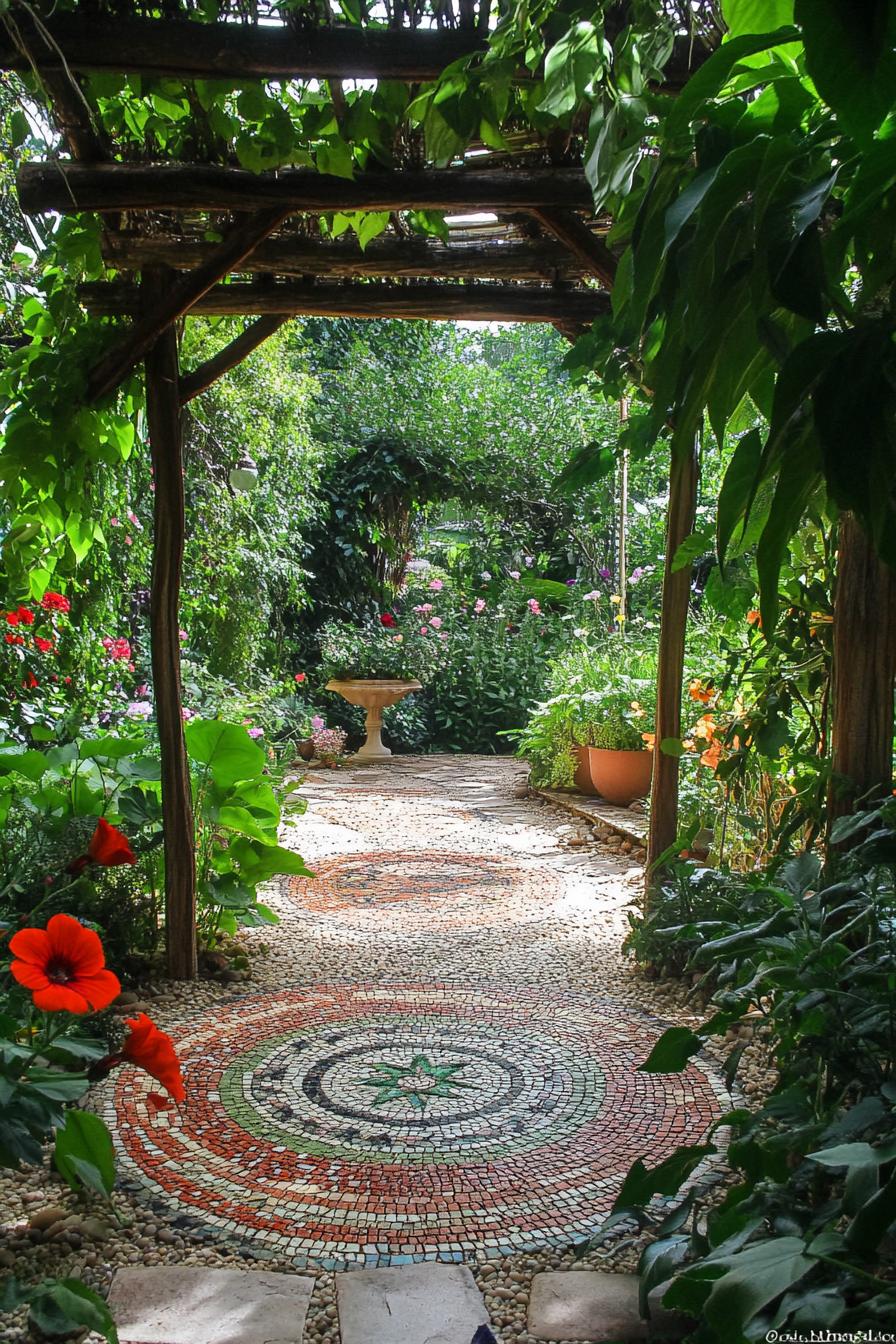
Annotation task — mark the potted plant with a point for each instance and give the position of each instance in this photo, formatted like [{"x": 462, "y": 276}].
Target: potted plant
[
  {"x": 375, "y": 665},
  {"x": 617, "y": 722}
]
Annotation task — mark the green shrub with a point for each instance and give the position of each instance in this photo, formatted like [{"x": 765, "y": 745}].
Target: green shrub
[{"x": 803, "y": 1235}]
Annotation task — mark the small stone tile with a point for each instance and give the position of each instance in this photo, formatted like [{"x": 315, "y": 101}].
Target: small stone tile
[
  {"x": 179, "y": 1305},
  {"x": 587, "y": 1305},
  {"x": 411, "y": 1304}
]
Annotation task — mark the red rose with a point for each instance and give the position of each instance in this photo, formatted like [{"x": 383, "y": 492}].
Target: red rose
[
  {"x": 44, "y": 645},
  {"x": 300, "y": 677},
  {"x": 25, "y": 616},
  {"x": 388, "y": 620}
]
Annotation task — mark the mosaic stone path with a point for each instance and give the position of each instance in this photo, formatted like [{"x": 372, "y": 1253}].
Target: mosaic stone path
[{"x": 435, "y": 1063}]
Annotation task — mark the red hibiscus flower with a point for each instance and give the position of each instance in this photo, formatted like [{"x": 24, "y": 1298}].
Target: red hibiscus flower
[
  {"x": 388, "y": 620},
  {"x": 63, "y": 966},
  {"x": 55, "y": 602},
  {"x": 25, "y": 616},
  {"x": 44, "y": 645},
  {"x": 109, "y": 847},
  {"x": 12, "y": 618},
  {"x": 152, "y": 1050}
]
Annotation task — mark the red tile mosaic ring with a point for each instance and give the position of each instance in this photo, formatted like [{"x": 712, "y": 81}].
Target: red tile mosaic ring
[
  {"x": 425, "y": 891},
  {"x": 382, "y": 1123}
]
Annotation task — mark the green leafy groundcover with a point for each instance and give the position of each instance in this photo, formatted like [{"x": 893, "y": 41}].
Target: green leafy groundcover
[{"x": 803, "y": 1238}]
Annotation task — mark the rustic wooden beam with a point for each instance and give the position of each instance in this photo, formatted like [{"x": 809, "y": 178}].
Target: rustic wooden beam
[
  {"x": 864, "y": 672},
  {"x": 71, "y": 188},
  {"x": 440, "y": 302},
  {"x": 535, "y": 260},
  {"x": 169, "y": 529},
  {"x": 191, "y": 384},
  {"x": 175, "y": 48},
  {"x": 176, "y": 298},
  {"x": 180, "y": 49},
  {"x": 680, "y": 520},
  {"x": 589, "y": 250}
]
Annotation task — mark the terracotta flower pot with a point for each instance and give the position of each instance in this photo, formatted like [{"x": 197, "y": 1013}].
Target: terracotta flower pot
[
  {"x": 582, "y": 776},
  {"x": 306, "y": 748},
  {"x": 620, "y": 776}
]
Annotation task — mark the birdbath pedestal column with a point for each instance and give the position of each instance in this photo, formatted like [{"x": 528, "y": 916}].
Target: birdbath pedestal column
[{"x": 374, "y": 696}]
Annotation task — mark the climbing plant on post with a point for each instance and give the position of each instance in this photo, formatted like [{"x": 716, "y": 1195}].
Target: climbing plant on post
[{"x": 163, "y": 409}]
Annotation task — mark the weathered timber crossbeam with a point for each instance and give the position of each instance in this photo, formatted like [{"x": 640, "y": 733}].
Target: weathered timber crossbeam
[
  {"x": 72, "y": 187},
  {"x": 439, "y": 302},
  {"x": 175, "y": 48},
  {"x": 530, "y": 260},
  {"x": 177, "y": 298},
  {"x": 183, "y": 50}
]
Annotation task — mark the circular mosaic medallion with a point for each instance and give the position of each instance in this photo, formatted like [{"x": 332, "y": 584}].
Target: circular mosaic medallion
[
  {"x": 426, "y": 891},
  {"x": 373, "y": 1123}
]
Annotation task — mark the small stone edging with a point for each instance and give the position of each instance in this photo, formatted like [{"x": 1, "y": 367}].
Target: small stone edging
[{"x": 604, "y": 817}]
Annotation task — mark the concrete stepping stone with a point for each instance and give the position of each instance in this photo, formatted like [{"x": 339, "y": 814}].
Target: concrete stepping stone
[
  {"x": 171, "y": 1304},
  {"x": 409, "y": 1304},
  {"x": 597, "y": 1308}
]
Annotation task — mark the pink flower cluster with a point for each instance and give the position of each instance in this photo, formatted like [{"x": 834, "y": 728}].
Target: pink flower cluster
[
  {"x": 119, "y": 650},
  {"x": 329, "y": 743}
]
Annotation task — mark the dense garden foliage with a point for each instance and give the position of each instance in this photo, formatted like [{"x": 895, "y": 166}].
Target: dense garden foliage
[{"x": 443, "y": 504}]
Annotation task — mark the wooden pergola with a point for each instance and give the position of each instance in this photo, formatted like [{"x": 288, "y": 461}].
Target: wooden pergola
[{"x": 533, "y": 251}]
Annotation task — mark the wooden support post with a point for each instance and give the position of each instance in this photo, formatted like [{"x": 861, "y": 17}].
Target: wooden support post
[
  {"x": 670, "y": 673},
  {"x": 623, "y": 524},
  {"x": 864, "y": 671},
  {"x": 165, "y": 439},
  {"x": 178, "y": 296},
  {"x": 202, "y": 377}
]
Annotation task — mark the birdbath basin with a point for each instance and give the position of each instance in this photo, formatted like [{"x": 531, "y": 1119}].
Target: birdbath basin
[{"x": 374, "y": 696}]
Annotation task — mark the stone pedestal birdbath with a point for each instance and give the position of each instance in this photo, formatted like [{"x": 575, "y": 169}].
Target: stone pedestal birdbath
[{"x": 374, "y": 696}]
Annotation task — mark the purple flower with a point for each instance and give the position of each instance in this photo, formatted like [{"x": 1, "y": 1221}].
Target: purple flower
[
  {"x": 570, "y": 583},
  {"x": 636, "y": 574},
  {"x": 317, "y": 723},
  {"x": 255, "y": 732},
  {"x": 604, "y": 574}
]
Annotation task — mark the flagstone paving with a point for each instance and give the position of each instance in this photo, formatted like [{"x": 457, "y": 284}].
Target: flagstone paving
[{"x": 439, "y": 1058}]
